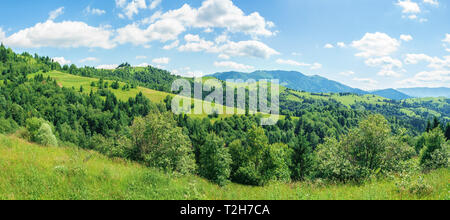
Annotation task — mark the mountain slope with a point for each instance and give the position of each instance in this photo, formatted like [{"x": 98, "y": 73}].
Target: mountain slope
[
  {"x": 391, "y": 94},
  {"x": 293, "y": 80},
  {"x": 33, "y": 172},
  {"x": 422, "y": 92}
]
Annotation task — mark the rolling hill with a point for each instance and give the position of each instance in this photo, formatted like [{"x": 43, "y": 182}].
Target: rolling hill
[{"x": 293, "y": 80}]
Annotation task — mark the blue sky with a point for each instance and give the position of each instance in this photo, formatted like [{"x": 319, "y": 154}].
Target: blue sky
[{"x": 363, "y": 43}]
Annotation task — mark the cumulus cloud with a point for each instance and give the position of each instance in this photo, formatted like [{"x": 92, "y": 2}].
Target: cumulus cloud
[
  {"x": 433, "y": 78},
  {"x": 409, "y": 7},
  {"x": 232, "y": 65},
  {"x": 341, "y": 44},
  {"x": 56, "y": 13},
  {"x": 61, "y": 60},
  {"x": 313, "y": 66},
  {"x": 89, "y": 59},
  {"x": 172, "y": 45},
  {"x": 433, "y": 62},
  {"x": 328, "y": 46},
  {"x": 291, "y": 63},
  {"x": 376, "y": 44},
  {"x": 162, "y": 60},
  {"x": 446, "y": 42},
  {"x": 389, "y": 66},
  {"x": 141, "y": 57},
  {"x": 406, "y": 38},
  {"x": 94, "y": 11},
  {"x": 162, "y": 30},
  {"x": 370, "y": 83},
  {"x": 107, "y": 66},
  {"x": 220, "y": 14},
  {"x": 67, "y": 34},
  {"x": 347, "y": 73},
  {"x": 431, "y": 2},
  {"x": 131, "y": 8},
  {"x": 155, "y": 4}
]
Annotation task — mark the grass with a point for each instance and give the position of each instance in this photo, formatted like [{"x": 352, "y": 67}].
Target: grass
[{"x": 32, "y": 172}]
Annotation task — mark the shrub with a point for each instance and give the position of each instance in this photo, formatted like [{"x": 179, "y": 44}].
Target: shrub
[
  {"x": 41, "y": 132},
  {"x": 215, "y": 160},
  {"x": 435, "y": 153},
  {"x": 8, "y": 126},
  {"x": 45, "y": 136},
  {"x": 161, "y": 144},
  {"x": 118, "y": 146}
]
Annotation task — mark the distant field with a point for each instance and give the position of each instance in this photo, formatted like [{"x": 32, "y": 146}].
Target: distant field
[
  {"x": 347, "y": 100},
  {"x": 29, "y": 171},
  {"x": 69, "y": 81}
]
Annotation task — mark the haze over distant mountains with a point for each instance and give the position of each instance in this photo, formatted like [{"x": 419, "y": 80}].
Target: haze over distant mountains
[{"x": 299, "y": 81}]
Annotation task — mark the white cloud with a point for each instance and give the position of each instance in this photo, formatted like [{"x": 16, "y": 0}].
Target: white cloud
[
  {"x": 232, "y": 65},
  {"x": 434, "y": 78},
  {"x": 155, "y": 4},
  {"x": 369, "y": 83},
  {"x": 94, "y": 11},
  {"x": 313, "y": 66},
  {"x": 223, "y": 56},
  {"x": 433, "y": 62},
  {"x": 162, "y": 60},
  {"x": 431, "y": 2},
  {"x": 67, "y": 34},
  {"x": 347, "y": 73},
  {"x": 197, "y": 44},
  {"x": 389, "y": 66},
  {"x": 220, "y": 14},
  {"x": 406, "y": 38},
  {"x": 221, "y": 39},
  {"x": 376, "y": 44},
  {"x": 131, "y": 8},
  {"x": 89, "y": 59},
  {"x": 56, "y": 13},
  {"x": 162, "y": 30},
  {"x": 107, "y": 66},
  {"x": 172, "y": 45},
  {"x": 141, "y": 57},
  {"x": 328, "y": 46},
  {"x": 446, "y": 42},
  {"x": 409, "y": 7},
  {"x": 2, "y": 35},
  {"x": 61, "y": 60},
  {"x": 250, "y": 48},
  {"x": 291, "y": 63},
  {"x": 341, "y": 44}
]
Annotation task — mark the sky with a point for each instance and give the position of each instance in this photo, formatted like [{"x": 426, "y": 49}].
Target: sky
[{"x": 365, "y": 44}]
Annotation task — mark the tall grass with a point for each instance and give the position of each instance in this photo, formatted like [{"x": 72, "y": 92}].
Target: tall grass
[{"x": 32, "y": 172}]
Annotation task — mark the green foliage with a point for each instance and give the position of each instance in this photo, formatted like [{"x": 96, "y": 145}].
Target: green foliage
[
  {"x": 447, "y": 132},
  {"x": 255, "y": 162},
  {"x": 364, "y": 151},
  {"x": 302, "y": 158},
  {"x": 161, "y": 144},
  {"x": 45, "y": 135},
  {"x": 7, "y": 126},
  {"x": 435, "y": 153},
  {"x": 215, "y": 160}
]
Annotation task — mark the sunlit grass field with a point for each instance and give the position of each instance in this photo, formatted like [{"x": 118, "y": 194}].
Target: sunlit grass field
[{"x": 29, "y": 171}]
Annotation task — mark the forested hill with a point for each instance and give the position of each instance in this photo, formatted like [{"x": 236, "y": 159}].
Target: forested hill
[
  {"x": 293, "y": 80},
  {"x": 323, "y": 136}
]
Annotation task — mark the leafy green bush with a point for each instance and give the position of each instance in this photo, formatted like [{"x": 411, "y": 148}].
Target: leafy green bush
[
  {"x": 215, "y": 160},
  {"x": 364, "y": 151},
  {"x": 45, "y": 136},
  {"x": 161, "y": 144},
  {"x": 8, "y": 126},
  {"x": 41, "y": 132},
  {"x": 435, "y": 154},
  {"x": 119, "y": 146},
  {"x": 255, "y": 162}
]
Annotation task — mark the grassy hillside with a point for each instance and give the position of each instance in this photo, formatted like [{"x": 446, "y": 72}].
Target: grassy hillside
[{"x": 29, "y": 171}]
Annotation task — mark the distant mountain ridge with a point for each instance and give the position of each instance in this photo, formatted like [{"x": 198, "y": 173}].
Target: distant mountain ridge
[
  {"x": 422, "y": 92},
  {"x": 293, "y": 80},
  {"x": 391, "y": 94}
]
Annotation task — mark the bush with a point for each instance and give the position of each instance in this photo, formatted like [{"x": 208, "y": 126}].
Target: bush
[
  {"x": 8, "y": 126},
  {"x": 41, "y": 132},
  {"x": 161, "y": 144},
  {"x": 368, "y": 150},
  {"x": 119, "y": 146},
  {"x": 435, "y": 153},
  {"x": 215, "y": 160},
  {"x": 45, "y": 136}
]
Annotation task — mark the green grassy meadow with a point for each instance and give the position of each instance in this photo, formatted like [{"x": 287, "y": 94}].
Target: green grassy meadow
[{"x": 29, "y": 171}]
